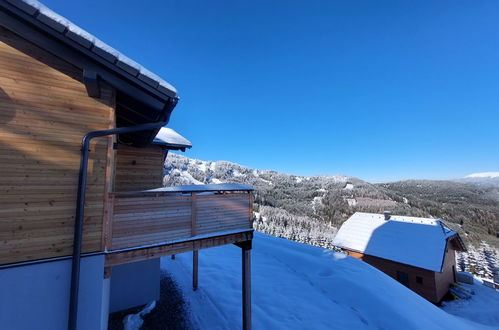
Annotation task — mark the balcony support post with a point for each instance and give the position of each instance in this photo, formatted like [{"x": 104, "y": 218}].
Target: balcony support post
[
  {"x": 195, "y": 253},
  {"x": 246, "y": 282},
  {"x": 195, "y": 256}
]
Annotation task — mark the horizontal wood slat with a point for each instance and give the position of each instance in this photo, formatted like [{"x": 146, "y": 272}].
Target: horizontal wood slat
[{"x": 138, "y": 168}]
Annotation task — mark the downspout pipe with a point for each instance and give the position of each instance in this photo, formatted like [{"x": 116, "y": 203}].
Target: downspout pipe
[{"x": 80, "y": 209}]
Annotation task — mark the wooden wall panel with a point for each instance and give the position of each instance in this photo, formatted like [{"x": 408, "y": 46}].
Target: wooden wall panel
[
  {"x": 427, "y": 289},
  {"x": 445, "y": 278},
  {"x": 44, "y": 113},
  {"x": 138, "y": 168}
]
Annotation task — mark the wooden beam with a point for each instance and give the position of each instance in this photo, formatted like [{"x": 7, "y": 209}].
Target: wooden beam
[
  {"x": 250, "y": 210},
  {"x": 195, "y": 253},
  {"x": 108, "y": 272},
  {"x": 195, "y": 257},
  {"x": 107, "y": 231},
  {"x": 91, "y": 81},
  {"x": 125, "y": 256},
  {"x": 107, "y": 228},
  {"x": 193, "y": 214},
  {"x": 246, "y": 282}
]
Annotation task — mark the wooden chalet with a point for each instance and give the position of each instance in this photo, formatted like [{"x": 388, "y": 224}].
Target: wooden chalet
[
  {"x": 417, "y": 252},
  {"x": 82, "y": 220}
]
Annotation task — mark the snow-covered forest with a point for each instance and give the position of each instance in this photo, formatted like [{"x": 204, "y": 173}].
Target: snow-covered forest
[
  {"x": 482, "y": 261},
  {"x": 278, "y": 222}
]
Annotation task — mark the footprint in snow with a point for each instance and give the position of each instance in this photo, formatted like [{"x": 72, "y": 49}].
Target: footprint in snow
[{"x": 325, "y": 273}]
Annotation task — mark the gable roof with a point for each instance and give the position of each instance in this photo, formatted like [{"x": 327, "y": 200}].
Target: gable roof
[
  {"x": 70, "y": 32},
  {"x": 419, "y": 242}
]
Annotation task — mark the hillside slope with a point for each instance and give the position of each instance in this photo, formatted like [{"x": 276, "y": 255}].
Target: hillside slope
[{"x": 298, "y": 286}]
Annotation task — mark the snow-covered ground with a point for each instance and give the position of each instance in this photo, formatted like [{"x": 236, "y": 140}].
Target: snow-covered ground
[
  {"x": 298, "y": 286},
  {"x": 349, "y": 186},
  {"x": 482, "y": 307}
]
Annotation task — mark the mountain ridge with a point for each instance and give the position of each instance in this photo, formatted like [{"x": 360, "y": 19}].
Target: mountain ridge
[
  {"x": 482, "y": 175},
  {"x": 346, "y": 194}
]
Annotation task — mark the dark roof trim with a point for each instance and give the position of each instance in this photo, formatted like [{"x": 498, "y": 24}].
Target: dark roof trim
[
  {"x": 22, "y": 17},
  {"x": 458, "y": 240},
  {"x": 91, "y": 82},
  {"x": 448, "y": 241},
  {"x": 175, "y": 147}
]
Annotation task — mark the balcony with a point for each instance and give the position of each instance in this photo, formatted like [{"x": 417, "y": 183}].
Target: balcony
[{"x": 151, "y": 223}]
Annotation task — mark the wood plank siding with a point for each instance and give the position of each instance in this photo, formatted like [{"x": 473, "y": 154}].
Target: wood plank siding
[
  {"x": 44, "y": 113},
  {"x": 148, "y": 219},
  {"x": 139, "y": 168},
  {"x": 427, "y": 287},
  {"x": 446, "y": 277}
]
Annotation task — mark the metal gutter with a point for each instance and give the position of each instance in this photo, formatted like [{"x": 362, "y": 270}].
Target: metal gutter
[{"x": 80, "y": 207}]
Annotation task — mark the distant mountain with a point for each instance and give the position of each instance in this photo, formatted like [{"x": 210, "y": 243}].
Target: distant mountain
[
  {"x": 310, "y": 209},
  {"x": 333, "y": 199},
  {"x": 488, "y": 175},
  {"x": 482, "y": 179}
]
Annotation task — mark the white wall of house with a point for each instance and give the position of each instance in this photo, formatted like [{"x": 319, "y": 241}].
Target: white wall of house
[
  {"x": 106, "y": 292},
  {"x": 134, "y": 284},
  {"x": 37, "y": 296}
]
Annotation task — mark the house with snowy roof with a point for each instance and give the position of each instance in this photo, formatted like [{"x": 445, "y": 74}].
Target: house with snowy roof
[
  {"x": 82, "y": 147},
  {"x": 417, "y": 252}
]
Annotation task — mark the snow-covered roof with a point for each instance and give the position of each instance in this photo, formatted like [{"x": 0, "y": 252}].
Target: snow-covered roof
[
  {"x": 73, "y": 32},
  {"x": 171, "y": 139},
  {"x": 414, "y": 241}
]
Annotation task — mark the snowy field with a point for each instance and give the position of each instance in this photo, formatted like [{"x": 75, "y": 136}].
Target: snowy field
[
  {"x": 482, "y": 307},
  {"x": 297, "y": 286}
]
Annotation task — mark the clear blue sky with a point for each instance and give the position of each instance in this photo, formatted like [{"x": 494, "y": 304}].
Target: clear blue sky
[{"x": 381, "y": 90}]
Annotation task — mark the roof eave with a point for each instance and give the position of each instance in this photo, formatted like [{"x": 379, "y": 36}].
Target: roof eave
[{"x": 162, "y": 93}]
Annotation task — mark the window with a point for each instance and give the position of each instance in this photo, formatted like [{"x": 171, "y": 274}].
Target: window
[
  {"x": 419, "y": 280},
  {"x": 403, "y": 278}
]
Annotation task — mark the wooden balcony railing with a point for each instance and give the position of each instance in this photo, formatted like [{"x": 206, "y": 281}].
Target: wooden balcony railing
[{"x": 159, "y": 216}]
